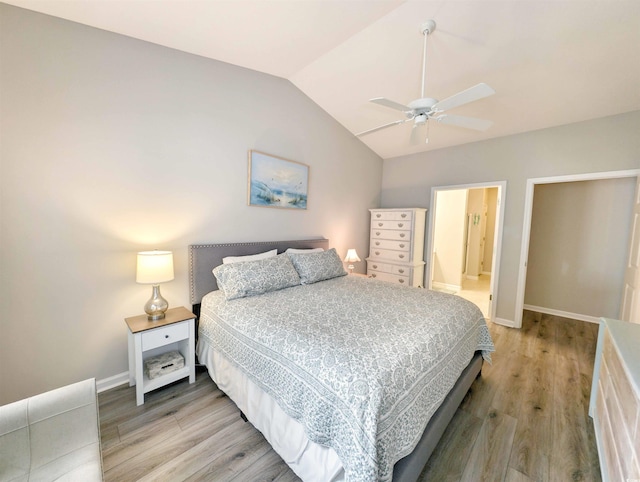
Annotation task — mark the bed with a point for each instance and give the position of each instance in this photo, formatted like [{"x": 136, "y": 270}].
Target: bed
[{"x": 331, "y": 372}]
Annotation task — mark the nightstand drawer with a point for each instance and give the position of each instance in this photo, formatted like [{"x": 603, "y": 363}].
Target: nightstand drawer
[{"x": 165, "y": 335}]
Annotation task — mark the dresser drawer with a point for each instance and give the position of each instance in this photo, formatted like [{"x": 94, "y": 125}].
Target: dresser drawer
[
  {"x": 391, "y": 216},
  {"x": 615, "y": 400},
  {"x": 389, "y": 244},
  {"x": 401, "y": 256},
  {"x": 393, "y": 278},
  {"x": 390, "y": 234},
  {"x": 165, "y": 335},
  {"x": 628, "y": 401},
  {"x": 404, "y": 225},
  {"x": 389, "y": 268},
  {"x": 379, "y": 267}
]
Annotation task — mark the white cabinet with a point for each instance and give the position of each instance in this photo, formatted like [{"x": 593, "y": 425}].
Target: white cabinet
[
  {"x": 396, "y": 245},
  {"x": 150, "y": 338},
  {"x": 615, "y": 400}
]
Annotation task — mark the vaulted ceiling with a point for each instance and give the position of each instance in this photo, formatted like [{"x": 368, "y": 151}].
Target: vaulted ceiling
[{"x": 550, "y": 62}]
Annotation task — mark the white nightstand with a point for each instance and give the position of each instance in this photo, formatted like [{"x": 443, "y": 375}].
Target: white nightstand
[{"x": 150, "y": 338}]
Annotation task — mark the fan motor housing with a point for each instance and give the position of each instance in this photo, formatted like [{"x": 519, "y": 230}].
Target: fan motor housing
[{"x": 422, "y": 105}]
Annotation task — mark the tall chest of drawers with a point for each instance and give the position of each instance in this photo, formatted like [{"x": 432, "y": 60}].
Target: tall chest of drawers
[
  {"x": 396, "y": 245},
  {"x": 615, "y": 400}
]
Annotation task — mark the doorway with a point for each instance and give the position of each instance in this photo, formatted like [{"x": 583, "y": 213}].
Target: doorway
[
  {"x": 526, "y": 229},
  {"x": 464, "y": 242}
]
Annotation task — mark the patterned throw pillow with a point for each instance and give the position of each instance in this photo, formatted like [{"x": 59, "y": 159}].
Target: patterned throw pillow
[
  {"x": 314, "y": 267},
  {"x": 250, "y": 278}
]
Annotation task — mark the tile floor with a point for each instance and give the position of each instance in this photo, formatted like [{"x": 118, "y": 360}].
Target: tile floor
[{"x": 477, "y": 291}]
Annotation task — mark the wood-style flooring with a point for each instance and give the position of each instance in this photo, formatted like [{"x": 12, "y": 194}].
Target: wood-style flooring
[{"x": 525, "y": 419}]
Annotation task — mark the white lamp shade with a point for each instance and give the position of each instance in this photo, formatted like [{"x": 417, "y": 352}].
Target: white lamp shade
[
  {"x": 352, "y": 256},
  {"x": 154, "y": 267}
]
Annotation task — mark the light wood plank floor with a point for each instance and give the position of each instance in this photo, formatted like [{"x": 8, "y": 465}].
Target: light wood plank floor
[{"x": 524, "y": 420}]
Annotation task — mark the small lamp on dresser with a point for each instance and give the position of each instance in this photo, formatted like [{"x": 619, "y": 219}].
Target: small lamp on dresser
[
  {"x": 351, "y": 257},
  {"x": 155, "y": 267}
]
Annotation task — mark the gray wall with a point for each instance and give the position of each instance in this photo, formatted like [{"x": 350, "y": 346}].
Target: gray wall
[
  {"x": 111, "y": 146},
  {"x": 606, "y": 144},
  {"x": 579, "y": 246}
]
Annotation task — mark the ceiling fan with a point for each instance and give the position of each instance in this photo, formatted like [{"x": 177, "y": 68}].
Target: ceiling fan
[{"x": 421, "y": 110}]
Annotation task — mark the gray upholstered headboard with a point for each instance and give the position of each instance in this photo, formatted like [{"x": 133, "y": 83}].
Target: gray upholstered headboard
[{"x": 204, "y": 257}]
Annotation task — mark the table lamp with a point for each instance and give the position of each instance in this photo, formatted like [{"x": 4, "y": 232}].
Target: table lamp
[
  {"x": 155, "y": 267},
  {"x": 351, "y": 257}
]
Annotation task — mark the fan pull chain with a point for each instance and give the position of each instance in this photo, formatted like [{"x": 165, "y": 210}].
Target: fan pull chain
[{"x": 426, "y": 141}]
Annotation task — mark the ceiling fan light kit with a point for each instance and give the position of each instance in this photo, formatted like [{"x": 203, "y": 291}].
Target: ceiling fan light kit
[{"x": 421, "y": 110}]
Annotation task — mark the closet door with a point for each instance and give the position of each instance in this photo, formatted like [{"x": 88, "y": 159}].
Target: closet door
[{"x": 630, "y": 309}]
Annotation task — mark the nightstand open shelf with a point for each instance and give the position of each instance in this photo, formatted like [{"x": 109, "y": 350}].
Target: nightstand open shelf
[{"x": 150, "y": 338}]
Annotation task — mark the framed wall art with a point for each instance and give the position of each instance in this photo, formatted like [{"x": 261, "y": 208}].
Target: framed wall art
[{"x": 276, "y": 182}]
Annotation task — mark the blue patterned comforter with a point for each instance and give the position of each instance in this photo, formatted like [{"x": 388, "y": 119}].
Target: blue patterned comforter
[{"x": 362, "y": 364}]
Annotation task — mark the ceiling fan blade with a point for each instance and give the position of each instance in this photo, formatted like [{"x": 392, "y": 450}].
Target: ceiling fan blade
[
  {"x": 462, "y": 121},
  {"x": 402, "y": 121},
  {"x": 471, "y": 94},
  {"x": 391, "y": 104}
]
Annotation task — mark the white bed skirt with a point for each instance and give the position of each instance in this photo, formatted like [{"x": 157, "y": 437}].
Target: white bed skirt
[{"x": 310, "y": 461}]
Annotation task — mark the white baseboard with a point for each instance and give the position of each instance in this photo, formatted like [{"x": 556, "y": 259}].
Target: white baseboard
[
  {"x": 504, "y": 322},
  {"x": 112, "y": 382},
  {"x": 564, "y": 314},
  {"x": 488, "y": 273},
  {"x": 445, "y": 286},
  {"x": 472, "y": 277}
]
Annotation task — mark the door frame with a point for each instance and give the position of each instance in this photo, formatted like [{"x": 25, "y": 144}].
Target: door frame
[
  {"x": 497, "y": 239},
  {"x": 526, "y": 223}
]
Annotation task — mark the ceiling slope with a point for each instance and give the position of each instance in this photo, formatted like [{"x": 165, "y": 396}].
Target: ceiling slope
[{"x": 551, "y": 62}]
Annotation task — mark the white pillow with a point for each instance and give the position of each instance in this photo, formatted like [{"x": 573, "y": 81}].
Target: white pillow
[
  {"x": 303, "y": 251},
  {"x": 251, "y": 257}
]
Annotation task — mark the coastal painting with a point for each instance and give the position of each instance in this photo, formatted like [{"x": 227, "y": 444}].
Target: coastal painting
[{"x": 276, "y": 182}]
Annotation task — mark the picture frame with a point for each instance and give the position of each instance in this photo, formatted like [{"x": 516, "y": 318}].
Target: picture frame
[{"x": 276, "y": 182}]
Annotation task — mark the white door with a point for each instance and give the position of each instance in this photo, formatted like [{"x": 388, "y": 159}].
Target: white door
[
  {"x": 496, "y": 247},
  {"x": 630, "y": 309}
]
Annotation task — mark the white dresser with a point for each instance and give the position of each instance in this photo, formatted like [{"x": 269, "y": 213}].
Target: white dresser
[
  {"x": 615, "y": 400},
  {"x": 396, "y": 245}
]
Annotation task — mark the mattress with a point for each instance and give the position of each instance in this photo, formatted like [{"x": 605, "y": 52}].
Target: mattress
[{"x": 359, "y": 365}]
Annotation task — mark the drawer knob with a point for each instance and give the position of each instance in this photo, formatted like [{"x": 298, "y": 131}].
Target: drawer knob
[
  {"x": 378, "y": 215},
  {"x": 375, "y": 266},
  {"x": 377, "y": 233},
  {"x": 377, "y": 253},
  {"x": 380, "y": 224},
  {"x": 401, "y": 256},
  {"x": 400, "y": 225},
  {"x": 402, "y": 245},
  {"x": 400, "y": 281},
  {"x": 402, "y": 235},
  {"x": 403, "y": 215},
  {"x": 400, "y": 271},
  {"x": 377, "y": 243},
  {"x": 373, "y": 275}
]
